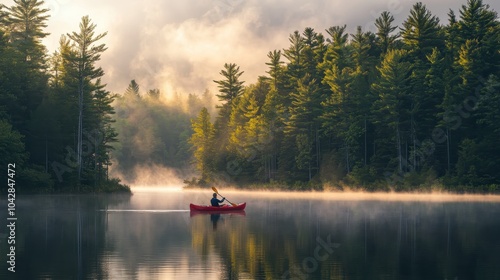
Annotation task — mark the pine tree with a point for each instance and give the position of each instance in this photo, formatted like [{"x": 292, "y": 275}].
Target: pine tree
[
  {"x": 26, "y": 23},
  {"x": 421, "y": 32},
  {"x": 488, "y": 120},
  {"x": 101, "y": 111},
  {"x": 304, "y": 113},
  {"x": 313, "y": 53},
  {"x": 365, "y": 57},
  {"x": 392, "y": 107},
  {"x": 452, "y": 40},
  {"x": 230, "y": 87},
  {"x": 275, "y": 69},
  {"x": 478, "y": 34},
  {"x": 384, "y": 30},
  {"x": 337, "y": 52},
  {"x": 202, "y": 143},
  {"x": 133, "y": 90},
  {"x": 83, "y": 58},
  {"x": 154, "y": 94},
  {"x": 9, "y": 105},
  {"x": 337, "y": 115},
  {"x": 295, "y": 67},
  {"x": 479, "y": 26}
]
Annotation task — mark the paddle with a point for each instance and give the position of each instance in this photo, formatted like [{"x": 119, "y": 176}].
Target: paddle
[{"x": 215, "y": 191}]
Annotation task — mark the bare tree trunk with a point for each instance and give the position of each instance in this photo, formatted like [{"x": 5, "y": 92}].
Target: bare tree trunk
[
  {"x": 347, "y": 158},
  {"x": 413, "y": 138},
  {"x": 80, "y": 129},
  {"x": 398, "y": 143},
  {"x": 366, "y": 143},
  {"x": 448, "y": 136},
  {"x": 318, "y": 150}
]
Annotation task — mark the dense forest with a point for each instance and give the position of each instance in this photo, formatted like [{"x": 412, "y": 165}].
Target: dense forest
[
  {"x": 153, "y": 134},
  {"x": 404, "y": 108},
  {"x": 401, "y": 108},
  {"x": 56, "y": 115}
]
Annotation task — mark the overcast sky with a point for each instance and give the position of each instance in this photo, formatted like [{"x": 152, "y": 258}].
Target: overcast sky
[{"x": 180, "y": 46}]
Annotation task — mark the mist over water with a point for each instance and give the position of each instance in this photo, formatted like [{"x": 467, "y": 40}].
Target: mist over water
[
  {"x": 152, "y": 147},
  {"x": 152, "y": 235},
  {"x": 160, "y": 177},
  {"x": 358, "y": 196}
]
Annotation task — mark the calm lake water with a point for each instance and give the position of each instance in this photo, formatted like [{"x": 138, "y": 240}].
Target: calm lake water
[{"x": 152, "y": 235}]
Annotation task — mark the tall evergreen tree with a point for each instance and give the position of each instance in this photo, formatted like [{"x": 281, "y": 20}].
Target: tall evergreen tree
[
  {"x": 294, "y": 54},
  {"x": 337, "y": 52},
  {"x": 384, "y": 31},
  {"x": 336, "y": 117},
  {"x": 230, "y": 90},
  {"x": 304, "y": 113},
  {"x": 313, "y": 53},
  {"x": 105, "y": 135},
  {"x": 275, "y": 69},
  {"x": 26, "y": 23},
  {"x": 133, "y": 90},
  {"x": 392, "y": 109},
  {"x": 479, "y": 25},
  {"x": 202, "y": 142},
  {"x": 365, "y": 57},
  {"x": 83, "y": 58},
  {"x": 230, "y": 87},
  {"x": 421, "y": 31},
  {"x": 488, "y": 119}
]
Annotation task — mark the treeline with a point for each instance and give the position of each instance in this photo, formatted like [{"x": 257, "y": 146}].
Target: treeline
[
  {"x": 153, "y": 131},
  {"x": 55, "y": 113},
  {"x": 403, "y": 108}
]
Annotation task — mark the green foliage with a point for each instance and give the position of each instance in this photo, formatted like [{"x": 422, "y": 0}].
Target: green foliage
[
  {"x": 421, "y": 31},
  {"x": 384, "y": 31},
  {"x": 78, "y": 88},
  {"x": 25, "y": 23},
  {"x": 34, "y": 177},
  {"x": 230, "y": 87},
  {"x": 275, "y": 68},
  {"x": 11, "y": 145},
  {"x": 355, "y": 109},
  {"x": 202, "y": 141},
  {"x": 373, "y": 111},
  {"x": 42, "y": 103},
  {"x": 114, "y": 186},
  {"x": 362, "y": 176},
  {"x": 152, "y": 132}
]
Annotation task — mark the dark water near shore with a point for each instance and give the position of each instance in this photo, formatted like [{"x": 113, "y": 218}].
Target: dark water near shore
[{"x": 278, "y": 236}]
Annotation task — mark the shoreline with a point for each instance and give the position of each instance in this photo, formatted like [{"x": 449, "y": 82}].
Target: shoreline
[{"x": 436, "y": 189}]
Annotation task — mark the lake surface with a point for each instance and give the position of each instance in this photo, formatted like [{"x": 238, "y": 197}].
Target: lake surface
[{"x": 152, "y": 235}]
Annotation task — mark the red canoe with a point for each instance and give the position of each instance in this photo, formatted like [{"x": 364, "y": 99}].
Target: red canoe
[{"x": 238, "y": 207}]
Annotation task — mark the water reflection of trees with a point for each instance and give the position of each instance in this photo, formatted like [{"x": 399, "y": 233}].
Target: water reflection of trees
[
  {"x": 377, "y": 240},
  {"x": 61, "y": 237}
]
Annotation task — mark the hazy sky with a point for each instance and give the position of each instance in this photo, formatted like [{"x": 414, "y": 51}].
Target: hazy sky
[{"x": 180, "y": 46}]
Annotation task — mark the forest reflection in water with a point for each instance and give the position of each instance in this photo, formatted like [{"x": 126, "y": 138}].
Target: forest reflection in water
[{"x": 152, "y": 235}]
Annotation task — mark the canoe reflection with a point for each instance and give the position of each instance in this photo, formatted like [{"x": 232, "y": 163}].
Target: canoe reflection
[
  {"x": 229, "y": 213},
  {"x": 215, "y": 216}
]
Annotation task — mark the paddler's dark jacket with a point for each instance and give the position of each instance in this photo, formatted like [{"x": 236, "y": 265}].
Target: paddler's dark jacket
[{"x": 215, "y": 202}]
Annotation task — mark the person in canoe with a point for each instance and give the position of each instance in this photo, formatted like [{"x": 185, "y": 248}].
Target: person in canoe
[{"x": 215, "y": 202}]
